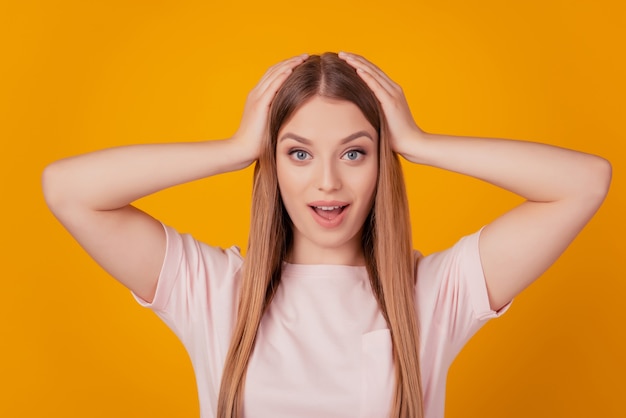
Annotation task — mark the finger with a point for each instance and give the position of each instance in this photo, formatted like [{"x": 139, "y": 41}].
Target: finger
[
  {"x": 359, "y": 62},
  {"x": 267, "y": 90},
  {"x": 382, "y": 90},
  {"x": 362, "y": 62},
  {"x": 374, "y": 84},
  {"x": 282, "y": 64},
  {"x": 270, "y": 91},
  {"x": 279, "y": 68}
]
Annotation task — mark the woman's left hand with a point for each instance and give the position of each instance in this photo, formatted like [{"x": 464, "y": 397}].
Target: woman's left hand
[
  {"x": 563, "y": 188},
  {"x": 402, "y": 128}
]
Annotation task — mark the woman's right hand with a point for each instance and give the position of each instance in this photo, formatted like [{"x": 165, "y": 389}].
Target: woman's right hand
[
  {"x": 249, "y": 136},
  {"x": 92, "y": 194}
]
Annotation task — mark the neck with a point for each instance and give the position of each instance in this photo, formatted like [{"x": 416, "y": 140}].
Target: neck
[{"x": 306, "y": 252}]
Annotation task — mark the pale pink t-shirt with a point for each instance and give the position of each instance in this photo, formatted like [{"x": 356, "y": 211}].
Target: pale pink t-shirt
[{"x": 323, "y": 348}]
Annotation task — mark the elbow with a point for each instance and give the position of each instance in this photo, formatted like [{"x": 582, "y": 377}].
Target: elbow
[
  {"x": 604, "y": 173},
  {"x": 598, "y": 182},
  {"x": 52, "y": 186}
]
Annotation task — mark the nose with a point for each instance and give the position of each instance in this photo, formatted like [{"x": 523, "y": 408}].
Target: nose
[{"x": 329, "y": 178}]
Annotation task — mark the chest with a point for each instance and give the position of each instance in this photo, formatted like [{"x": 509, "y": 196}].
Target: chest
[{"x": 321, "y": 353}]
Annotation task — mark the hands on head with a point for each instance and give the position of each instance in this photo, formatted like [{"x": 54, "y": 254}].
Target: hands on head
[
  {"x": 255, "y": 115},
  {"x": 402, "y": 127}
]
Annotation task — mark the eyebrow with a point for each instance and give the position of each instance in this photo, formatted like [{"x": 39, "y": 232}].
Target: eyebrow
[{"x": 345, "y": 140}]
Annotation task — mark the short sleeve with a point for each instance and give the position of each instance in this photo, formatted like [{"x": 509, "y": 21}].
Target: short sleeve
[
  {"x": 197, "y": 287},
  {"x": 168, "y": 275},
  {"x": 452, "y": 295}
]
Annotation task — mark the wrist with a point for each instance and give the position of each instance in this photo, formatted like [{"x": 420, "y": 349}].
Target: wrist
[
  {"x": 414, "y": 146},
  {"x": 240, "y": 152}
]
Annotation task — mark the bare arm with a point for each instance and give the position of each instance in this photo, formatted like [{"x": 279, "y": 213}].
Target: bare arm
[
  {"x": 563, "y": 188},
  {"x": 91, "y": 194}
]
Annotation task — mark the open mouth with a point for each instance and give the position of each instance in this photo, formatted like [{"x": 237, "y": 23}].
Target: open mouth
[{"x": 329, "y": 212}]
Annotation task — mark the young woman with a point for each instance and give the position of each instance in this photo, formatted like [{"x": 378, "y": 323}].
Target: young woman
[{"x": 331, "y": 314}]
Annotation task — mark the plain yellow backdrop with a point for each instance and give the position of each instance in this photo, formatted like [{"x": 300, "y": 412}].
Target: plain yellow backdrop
[{"x": 77, "y": 76}]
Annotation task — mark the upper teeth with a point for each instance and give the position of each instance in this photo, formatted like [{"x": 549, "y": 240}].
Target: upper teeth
[{"x": 328, "y": 207}]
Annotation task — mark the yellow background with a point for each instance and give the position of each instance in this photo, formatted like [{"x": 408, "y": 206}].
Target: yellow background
[{"x": 77, "y": 76}]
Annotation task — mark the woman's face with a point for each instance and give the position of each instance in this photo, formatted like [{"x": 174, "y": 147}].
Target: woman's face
[{"x": 327, "y": 167}]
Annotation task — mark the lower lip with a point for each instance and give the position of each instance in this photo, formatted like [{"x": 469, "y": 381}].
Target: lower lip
[{"x": 329, "y": 223}]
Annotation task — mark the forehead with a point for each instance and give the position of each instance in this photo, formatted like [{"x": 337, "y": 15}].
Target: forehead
[{"x": 323, "y": 117}]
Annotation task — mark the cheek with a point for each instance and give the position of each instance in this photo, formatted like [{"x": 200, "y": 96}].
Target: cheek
[
  {"x": 287, "y": 181},
  {"x": 368, "y": 182}
]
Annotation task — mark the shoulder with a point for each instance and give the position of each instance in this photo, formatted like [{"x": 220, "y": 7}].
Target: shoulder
[
  {"x": 464, "y": 253},
  {"x": 446, "y": 277},
  {"x": 454, "y": 277},
  {"x": 191, "y": 268},
  {"x": 185, "y": 247}
]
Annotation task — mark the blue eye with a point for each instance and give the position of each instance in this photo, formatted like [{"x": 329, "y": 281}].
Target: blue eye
[
  {"x": 354, "y": 155},
  {"x": 299, "y": 155}
]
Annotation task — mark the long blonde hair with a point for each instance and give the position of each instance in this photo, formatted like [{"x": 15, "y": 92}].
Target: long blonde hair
[{"x": 386, "y": 239}]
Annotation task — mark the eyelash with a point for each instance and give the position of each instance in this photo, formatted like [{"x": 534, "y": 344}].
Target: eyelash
[
  {"x": 293, "y": 152},
  {"x": 358, "y": 151}
]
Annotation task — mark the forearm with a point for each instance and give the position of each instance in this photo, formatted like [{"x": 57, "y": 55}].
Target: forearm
[
  {"x": 537, "y": 172},
  {"x": 113, "y": 178},
  {"x": 563, "y": 188}
]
